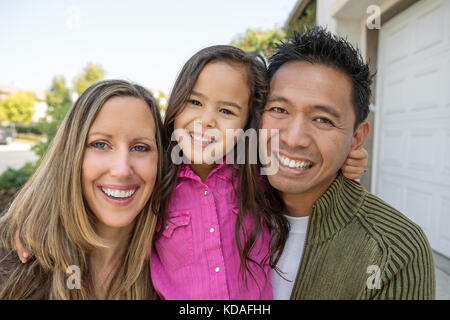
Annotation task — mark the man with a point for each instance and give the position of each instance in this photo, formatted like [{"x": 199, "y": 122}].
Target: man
[{"x": 343, "y": 243}]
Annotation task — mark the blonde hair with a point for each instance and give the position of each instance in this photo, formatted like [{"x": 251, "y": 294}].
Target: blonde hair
[{"x": 57, "y": 226}]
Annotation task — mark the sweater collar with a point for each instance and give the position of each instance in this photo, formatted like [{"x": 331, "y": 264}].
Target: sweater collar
[{"x": 335, "y": 209}]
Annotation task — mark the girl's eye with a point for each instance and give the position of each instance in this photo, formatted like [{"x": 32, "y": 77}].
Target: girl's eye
[
  {"x": 324, "y": 121},
  {"x": 99, "y": 145},
  {"x": 226, "y": 111},
  {"x": 140, "y": 148},
  {"x": 278, "y": 110},
  {"x": 194, "y": 102}
]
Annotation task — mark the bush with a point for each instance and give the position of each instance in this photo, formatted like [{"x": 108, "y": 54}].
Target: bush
[
  {"x": 16, "y": 178},
  {"x": 35, "y": 129}
]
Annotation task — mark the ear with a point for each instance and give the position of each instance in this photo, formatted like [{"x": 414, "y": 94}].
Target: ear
[{"x": 360, "y": 135}]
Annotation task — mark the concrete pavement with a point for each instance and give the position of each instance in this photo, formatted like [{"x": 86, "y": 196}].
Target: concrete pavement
[
  {"x": 442, "y": 269},
  {"x": 15, "y": 155}
]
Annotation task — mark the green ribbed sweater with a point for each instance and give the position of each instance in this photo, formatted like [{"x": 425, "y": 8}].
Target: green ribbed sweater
[{"x": 350, "y": 230}]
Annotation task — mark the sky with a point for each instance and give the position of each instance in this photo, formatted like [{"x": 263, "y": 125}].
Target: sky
[{"x": 141, "y": 41}]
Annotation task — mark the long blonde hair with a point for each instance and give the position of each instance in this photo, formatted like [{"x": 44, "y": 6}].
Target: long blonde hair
[{"x": 56, "y": 225}]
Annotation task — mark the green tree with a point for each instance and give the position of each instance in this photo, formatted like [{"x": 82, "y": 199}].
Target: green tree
[
  {"x": 162, "y": 100},
  {"x": 18, "y": 107},
  {"x": 90, "y": 74},
  {"x": 306, "y": 20},
  {"x": 261, "y": 41},
  {"x": 58, "y": 101}
]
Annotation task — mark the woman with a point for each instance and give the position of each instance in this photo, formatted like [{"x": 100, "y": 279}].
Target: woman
[{"x": 91, "y": 205}]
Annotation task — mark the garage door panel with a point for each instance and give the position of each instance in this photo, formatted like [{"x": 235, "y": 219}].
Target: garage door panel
[
  {"x": 428, "y": 28},
  {"x": 395, "y": 93},
  {"x": 446, "y": 81},
  {"x": 393, "y": 151},
  {"x": 398, "y": 41},
  {"x": 426, "y": 87},
  {"x": 413, "y": 122},
  {"x": 443, "y": 237},
  {"x": 422, "y": 147},
  {"x": 446, "y": 154},
  {"x": 391, "y": 192},
  {"x": 419, "y": 205}
]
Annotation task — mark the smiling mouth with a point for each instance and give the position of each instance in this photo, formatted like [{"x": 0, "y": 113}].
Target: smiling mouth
[
  {"x": 293, "y": 164},
  {"x": 202, "y": 140},
  {"x": 118, "y": 194}
]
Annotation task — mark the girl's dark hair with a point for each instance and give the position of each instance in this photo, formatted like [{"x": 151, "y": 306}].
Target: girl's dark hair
[
  {"x": 251, "y": 198},
  {"x": 319, "y": 46}
]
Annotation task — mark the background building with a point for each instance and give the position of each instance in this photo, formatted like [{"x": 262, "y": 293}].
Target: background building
[{"x": 40, "y": 107}]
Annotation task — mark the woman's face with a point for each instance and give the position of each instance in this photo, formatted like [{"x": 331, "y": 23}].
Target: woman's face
[
  {"x": 120, "y": 161},
  {"x": 218, "y": 102}
]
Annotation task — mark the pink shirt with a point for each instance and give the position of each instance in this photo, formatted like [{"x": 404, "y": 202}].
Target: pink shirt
[{"x": 197, "y": 257}]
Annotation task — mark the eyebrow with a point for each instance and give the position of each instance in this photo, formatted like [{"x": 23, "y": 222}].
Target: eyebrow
[
  {"x": 327, "y": 109},
  {"x": 110, "y": 136},
  {"x": 278, "y": 99},
  {"x": 223, "y": 102}
]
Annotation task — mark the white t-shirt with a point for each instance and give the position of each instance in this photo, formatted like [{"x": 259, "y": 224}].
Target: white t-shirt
[{"x": 290, "y": 259}]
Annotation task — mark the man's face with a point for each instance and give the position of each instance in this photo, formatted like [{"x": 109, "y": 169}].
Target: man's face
[{"x": 311, "y": 106}]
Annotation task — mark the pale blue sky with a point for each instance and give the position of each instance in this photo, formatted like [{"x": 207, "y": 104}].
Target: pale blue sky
[{"x": 142, "y": 41}]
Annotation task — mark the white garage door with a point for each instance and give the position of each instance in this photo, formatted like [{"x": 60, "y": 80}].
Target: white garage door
[{"x": 412, "y": 134}]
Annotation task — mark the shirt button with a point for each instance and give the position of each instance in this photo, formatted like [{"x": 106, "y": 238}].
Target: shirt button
[
  {"x": 166, "y": 226},
  {"x": 217, "y": 269},
  {"x": 206, "y": 192},
  {"x": 211, "y": 230}
]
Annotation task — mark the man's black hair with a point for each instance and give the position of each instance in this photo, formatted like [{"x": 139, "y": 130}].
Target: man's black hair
[{"x": 319, "y": 46}]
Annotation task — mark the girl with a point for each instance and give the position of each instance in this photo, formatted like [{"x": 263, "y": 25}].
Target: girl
[
  {"x": 213, "y": 239},
  {"x": 89, "y": 209}
]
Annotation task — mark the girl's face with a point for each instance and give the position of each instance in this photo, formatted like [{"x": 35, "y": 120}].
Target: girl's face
[
  {"x": 218, "y": 101},
  {"x": 120, "y": 161}
]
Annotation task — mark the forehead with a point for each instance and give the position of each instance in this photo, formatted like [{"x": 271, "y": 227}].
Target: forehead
[
  {"x": 120, "y": 114},
  {"x": 306, "y": 84},
  {"x": 223, "y": 80}
]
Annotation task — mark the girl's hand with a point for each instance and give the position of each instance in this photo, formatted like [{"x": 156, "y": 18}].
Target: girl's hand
[
  {"x": 356, "y": 163},
  {"x": 21, "y": 252}
]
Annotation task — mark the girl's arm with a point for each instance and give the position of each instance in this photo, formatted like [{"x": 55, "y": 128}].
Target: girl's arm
[{"x": 356, "y": 163}]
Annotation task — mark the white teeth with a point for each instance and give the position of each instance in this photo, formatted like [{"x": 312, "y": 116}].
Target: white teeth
[
  {"x": 294, "y": 164},
  {"x": 118, "y": 193},
  {"x": 201, "y": 140}
]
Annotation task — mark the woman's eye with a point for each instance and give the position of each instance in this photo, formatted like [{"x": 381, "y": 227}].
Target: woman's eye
[
  {"x": 194, "y": 102},
  {"x": 141, "y": 148},
  {"x": 226, "y": 111},
  {"x": 99, "y": 145}
]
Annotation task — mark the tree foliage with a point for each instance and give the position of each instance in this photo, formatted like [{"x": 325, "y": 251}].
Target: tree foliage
[
  {"x": 59, "y": 102},
  {"x": 18, "y": 107},
  {"x": 256, "y": 40},
  {"x": 90, "y": 74},
  {"x": 306, "y": 20}
]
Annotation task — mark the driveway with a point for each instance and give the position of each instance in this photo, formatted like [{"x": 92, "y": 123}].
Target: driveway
[{"x": 15, "y": 155}]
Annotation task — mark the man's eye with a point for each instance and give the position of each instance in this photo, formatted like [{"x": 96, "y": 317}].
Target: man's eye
[
  {"x": 324, "y": 121},
  {"x": 99, "y": 145},
  {"x": 140, "y": 148},
  {"x": 194, "y": 102}
]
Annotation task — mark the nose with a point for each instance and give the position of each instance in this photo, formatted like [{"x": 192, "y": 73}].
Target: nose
[
  {"x": 297, "y": 134},
  {"x": 121, "y": 166},
  {"x": 208, "y": 119}
]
